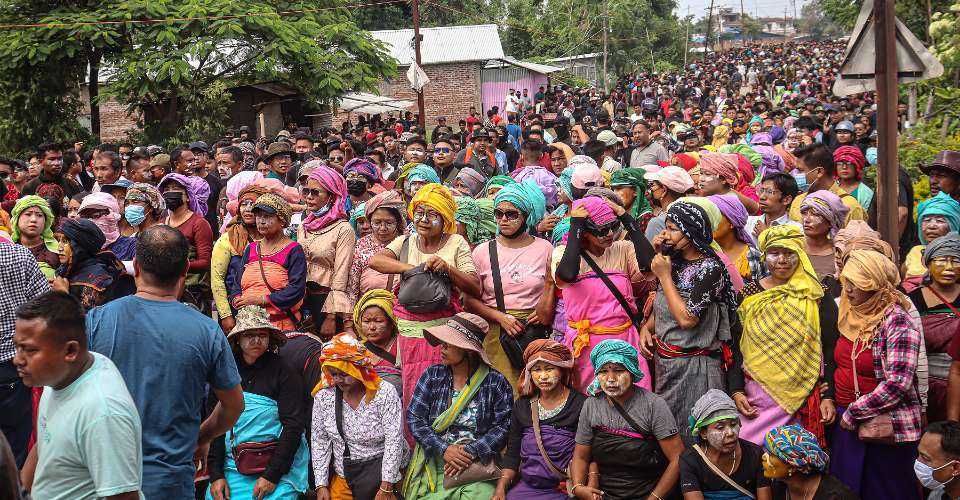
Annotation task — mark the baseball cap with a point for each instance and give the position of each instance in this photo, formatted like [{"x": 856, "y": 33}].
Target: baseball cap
[
  {"x": 674, "y": 178},
  {"x": 199, "y": 146},
  {"x": 608, "y": 137},
  {"x": 844, "y": 125},
  {"x": 160, "y": 160}
]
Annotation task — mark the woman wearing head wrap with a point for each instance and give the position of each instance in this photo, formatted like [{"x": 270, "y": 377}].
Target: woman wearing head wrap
[
  {"x": 720, "y": 175},
  {"x": 936, "y": 299},
  {"x": 186, "y": 201},
  {"x": 143, "y": 207},
  {"x": 435, "y": 247},
  {"x": 385, "y": 215},
  {"x": 733, "y": 238},
  {"x": 496, "y": 183},
  {"x": 362, "y": 178},
  {"x": 823, "y": 214},
  {"x": 626, "y": 430},
  {"x": 850, "y": 164},
  {"x": 414, "y": 177},
  {"x": 630, "y": 185},
  {"x": 274, "y": 268},
  {"x": 519, "y": 272},
  {"x": 785, "y": 315},
  {"x": 771, "y": 162},
  {"x": 31, "y": 223},
  {"x": 375, "y": 324},
  {"x": 593, "y": 311},
  {"x": 475, "y": 219},
  {"x": 545, "y": 389},
  {"x": 715, "y": 422},
  {"x": 721, "y": 136},
  {"x": 468, "y": 182},
  {"x": 694, "y": 309},
  {"x": 793, "y": 456},
  {"x": 459, "y": 414},
  {"x": 329, "y": 243},
  {"x": 225, "y": 267},
  {"x": 93, "y": 275},
  {"x": 231, "y": 193},
  {"x": 371, "y": 428},
  {"x": 935, "y": 217},
  {"x": 715, "y": 217},
  {"x": 877, "y": 357},
  {"x": 787, "y": 147},
  {"x": 273, "y": 411},
  {"x": 103, "y": 210}
]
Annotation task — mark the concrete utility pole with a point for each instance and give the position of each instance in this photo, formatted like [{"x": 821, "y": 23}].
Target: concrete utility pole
[
  {"x": 605, "y": 26},
  {"x": 706, "y": 40},
  {"x": 887, "y": 96},
  {"x": 422, "y": 122},
  {"x": 686, "y": 37},
  {"x": 743, "y": 26}
]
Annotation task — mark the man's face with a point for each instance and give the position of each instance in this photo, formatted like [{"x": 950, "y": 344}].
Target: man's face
[
  {"x": 844, "y": 137},
  {"x": 480, "y": 144},
  {"x": 187, "y": 163},
  {"x": 931, "y": 453},
  {"x": 771, "y": 199},
  {"x": 6, "y": 172},
  {"x": 139, "y": 171},
  {"x": 40, "y": 360},
  {"x": 302, "y": 146},
  {"x": 415, "y": 153},
  {"x": 389, "y": 143},
  {"x": 52, "y": 163},
  {"x": 280, "y": 164},
  {"x": 201, "y": 157},
  {"x": 859, "y": 129},
  {"x": 943, "y": 180},
  {"x": 443, "y": 154},
  {"x": 641, "y": 135},
  {"x": 226, "y": 167},
  {"x": 103, "y": 170}
]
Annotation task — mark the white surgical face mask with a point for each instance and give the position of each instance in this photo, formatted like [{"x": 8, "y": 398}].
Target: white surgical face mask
[{"x": 925, "y": 473}]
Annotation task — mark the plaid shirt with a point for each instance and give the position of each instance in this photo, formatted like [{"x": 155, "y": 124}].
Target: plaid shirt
[
  {"x": 20, "y": 280},
  {"x": 896, "y": 348},
  {"x": 432, "y": 396}
]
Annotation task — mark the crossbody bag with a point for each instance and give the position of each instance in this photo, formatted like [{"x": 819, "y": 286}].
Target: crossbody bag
[
  {"x": 513, "y": 347},
  {"x": 363, "y": 476}
]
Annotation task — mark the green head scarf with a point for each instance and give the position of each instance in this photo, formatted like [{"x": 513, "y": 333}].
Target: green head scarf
[
  {"x": 632, "y": 177},
  {"x": 34, "y": 201},
  {"x": 477, "y": 216}
]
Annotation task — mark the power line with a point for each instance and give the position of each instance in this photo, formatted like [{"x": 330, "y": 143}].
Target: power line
[{"x": 14, "y": 26}]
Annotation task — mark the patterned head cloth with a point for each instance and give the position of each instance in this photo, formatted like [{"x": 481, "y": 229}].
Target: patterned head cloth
[
  {"x": 438, "y": 198},
  {"x": 363, "y": 167},
  {"x": 30, "y": 201},
  {"x": 714, "y": 406},
  {"x": 256, "y": 318},
  {"x": 722, "y": 165},
  {"x": 497, "y": 181},
  {"x": 472, "y": 179},
  {"x": 797, "y": 447},
  {"x": 477, "y": 218},
  {"x": 693, "y": 222},
  {"x": 614, "y": 351},
  {"x": 347, "y": 354},
  {"x": 527, "y": 197},
  {"x": 851, "y": 154},
  {"x": 146, "y": 193},
  {"x": 376, "y": 297},
  {"x": 942, "y": 204},
  {"x": 826, "y": 205},
  {"x": 273, "y": 203},
  {"x": 550, "y": 352},
  {"x": 334, "y": 184},
  {"x": 197, "y": 191}
]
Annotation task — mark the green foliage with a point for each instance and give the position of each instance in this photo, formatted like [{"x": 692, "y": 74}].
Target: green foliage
[
  {"x": 919, "y": 146},
  {"x": 912, "y": 13}
]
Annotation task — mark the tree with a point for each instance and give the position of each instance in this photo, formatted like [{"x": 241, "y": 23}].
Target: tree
[{"x": 164, "y": 53}]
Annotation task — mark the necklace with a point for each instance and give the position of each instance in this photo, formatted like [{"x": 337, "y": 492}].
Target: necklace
[
  {"x": 546, "y": 414},
  {"x": 734, "y": 466}
]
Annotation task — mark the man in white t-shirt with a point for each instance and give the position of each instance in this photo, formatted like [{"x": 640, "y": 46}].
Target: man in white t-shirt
[
  {"x": 88, "y": 428},
  {"x": 512, "y": 103}
]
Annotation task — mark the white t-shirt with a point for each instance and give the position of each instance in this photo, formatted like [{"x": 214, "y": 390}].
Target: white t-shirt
[
  {"x": 513, "y": 104},
  {"x": 88, "y": 437}
]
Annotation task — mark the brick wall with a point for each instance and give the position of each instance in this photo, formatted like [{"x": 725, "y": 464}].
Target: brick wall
[{"x": 114, "y": 120}]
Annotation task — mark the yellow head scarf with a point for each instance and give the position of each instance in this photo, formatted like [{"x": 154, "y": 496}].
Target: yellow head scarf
[
  {"x": 721, "y": 135},
  {"x": 376, "y": 297},
  {"x": 873, "y": 272},
  {"x": 438, "y": 198},
  {"x": 347, "y": 354},
  {"x": 781, "y": 327}
]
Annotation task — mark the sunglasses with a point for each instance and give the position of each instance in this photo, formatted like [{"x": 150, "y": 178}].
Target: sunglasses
[
  {"x": 506, "y": 214},
  {"x": 602, "y": 231},
  {"x": 311, "y": 191},
  {"x": 442, "y": 150},
  {"x": 338, "y": 159}
]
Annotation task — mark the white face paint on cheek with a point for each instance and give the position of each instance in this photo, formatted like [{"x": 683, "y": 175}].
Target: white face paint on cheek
[
  {"x": 715, "y": 437},
  {"x": 615, "y": 385},
  {"x": 547, "y": 380},
  {"x": 435, "y": 223}
]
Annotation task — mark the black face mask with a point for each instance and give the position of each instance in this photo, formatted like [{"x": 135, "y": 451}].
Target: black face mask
[
  {"x": 356, "y": 187},
  {"x": 173, "y": 199},
  {"x": 518, "y": 233}
]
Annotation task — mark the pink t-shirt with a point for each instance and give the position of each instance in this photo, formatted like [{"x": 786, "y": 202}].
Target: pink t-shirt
[{"x": 523, "y": 272}]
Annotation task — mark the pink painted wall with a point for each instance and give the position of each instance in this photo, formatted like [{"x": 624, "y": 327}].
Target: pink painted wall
[{"x": 495, "y": 83}]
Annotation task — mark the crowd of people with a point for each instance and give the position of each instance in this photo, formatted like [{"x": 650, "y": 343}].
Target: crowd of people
[{"x": 671, "y": 290}]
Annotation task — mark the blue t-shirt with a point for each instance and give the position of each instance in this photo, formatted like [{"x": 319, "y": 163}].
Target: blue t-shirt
[{"x": 167, "y": 353}]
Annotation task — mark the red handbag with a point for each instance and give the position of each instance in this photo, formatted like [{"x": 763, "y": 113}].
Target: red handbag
[{"x": 251, "y": 457}]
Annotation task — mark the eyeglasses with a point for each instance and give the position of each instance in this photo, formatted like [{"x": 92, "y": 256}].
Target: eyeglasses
[
  {"x": 767, "y": 191},
  {"x": 384, "y": 224},
  {"x": 312, "y": 192},
  {"x": 602, "y": 231},
  {"x": 421, "y": 215},
  {"x": 354, "y": 176},
  {"x": 442, "y": 150},
  {"x": 506, "y": 214},
  {"x": 336, "y": 159}
]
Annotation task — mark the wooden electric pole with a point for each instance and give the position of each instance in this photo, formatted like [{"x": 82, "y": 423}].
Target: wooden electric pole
[
  {"x": 605, "y": 26},
  {"x": 422, "y": 120},
  {"x": 706, "y": 41},
  {"x": 743, "y": 26},
  {"x": 887, "y": 97}
]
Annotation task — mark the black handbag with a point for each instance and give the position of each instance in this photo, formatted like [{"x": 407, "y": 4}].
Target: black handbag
[
  {"x": 362, "y": 476},
  {"x": 513, "y": 347},
  {"x": 423, "y": 291}
]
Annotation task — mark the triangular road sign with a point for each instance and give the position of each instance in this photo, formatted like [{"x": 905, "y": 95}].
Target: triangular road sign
[{"x": 914, "y": 61}]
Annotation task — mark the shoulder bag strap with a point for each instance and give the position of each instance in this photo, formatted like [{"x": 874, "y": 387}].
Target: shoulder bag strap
[
  {"x": 945, "y": 301},
  {"x": 338, "y": 406},
  {"x": 497, "y": 280},
  {"x": 404, "y": 251},
  {"x": 289, "y": 313},
  {"x": 716, "y": 470},
  {"x": 623, "y": 413},
  {"x": 381, "y": 352},
  {"x": 535, "y": 416},
  {"x": 613, "y": 289}
]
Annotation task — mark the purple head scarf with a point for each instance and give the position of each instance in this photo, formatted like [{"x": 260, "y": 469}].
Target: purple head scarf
[
  {"x": 363, "y": 167},
  {"x": 826, "y": 205},
  {"x": 732, "y": 208},
  {"x": 600, "y": 213},
  {"x": 777, "y": 134},
  {"x": 332, "y": 182},
  {"x": 770, "y": 161},
  {"x": 761, "y": 138},
  {"x": 197, "y": 191}
]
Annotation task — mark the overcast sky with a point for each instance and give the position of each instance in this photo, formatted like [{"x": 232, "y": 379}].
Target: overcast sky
[{"x": 760, "y": 8}]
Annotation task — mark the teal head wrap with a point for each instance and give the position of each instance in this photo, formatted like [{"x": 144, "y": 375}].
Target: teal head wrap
[
  {"x": 358, "y": 212},
  {"x": 614, "y": 351},
  {"x": 560, "y": 230},
  {"x": 941, "y": 204},
  {"x": 633, "y": 177},
  {"x": 422, "y": 173},
  {"x": 527, "y": 197},
  {"x": 497, "y": 180},
  {"x": 477, "y": 216}
]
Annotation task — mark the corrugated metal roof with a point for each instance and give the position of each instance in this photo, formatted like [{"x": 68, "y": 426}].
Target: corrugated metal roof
[
  {"x": 543, "y": 69},
  {"x": 445, "y": 44}
]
